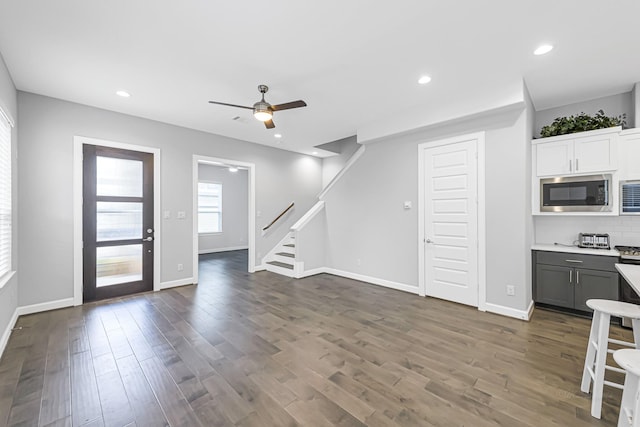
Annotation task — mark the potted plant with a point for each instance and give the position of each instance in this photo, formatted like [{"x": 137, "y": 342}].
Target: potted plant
[{"x": 580, "y": 123}]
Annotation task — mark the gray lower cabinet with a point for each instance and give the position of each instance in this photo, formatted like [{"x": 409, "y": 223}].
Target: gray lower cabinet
[{"x": 568, "y": 280}]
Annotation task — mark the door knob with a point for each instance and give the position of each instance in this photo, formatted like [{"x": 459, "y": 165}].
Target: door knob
[
  {"x": 149, "y": 230},
  {"x": 428, "y": 240}
]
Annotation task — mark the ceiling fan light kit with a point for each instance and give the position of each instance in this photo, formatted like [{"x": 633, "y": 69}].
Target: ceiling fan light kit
[{"x": 262, "y": 110}]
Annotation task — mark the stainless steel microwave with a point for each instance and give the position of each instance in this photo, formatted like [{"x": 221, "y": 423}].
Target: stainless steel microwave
[
  {"x": 576, "y": 194},
  {"x": 630, "y": 197}
]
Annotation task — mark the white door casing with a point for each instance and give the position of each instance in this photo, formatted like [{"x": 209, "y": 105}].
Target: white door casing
[{"x": 450, "y": 217}]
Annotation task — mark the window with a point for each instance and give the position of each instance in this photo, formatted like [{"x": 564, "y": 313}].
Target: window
[
  {"x": 5, "y": 195},
  {"x": 209, "y": 207}
]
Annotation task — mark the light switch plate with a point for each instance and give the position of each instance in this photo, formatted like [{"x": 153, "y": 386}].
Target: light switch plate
[
  {"x": 182, "y": 215},
  {"x": 407, "y": 204},
  {"x": 167, "y": 214}
]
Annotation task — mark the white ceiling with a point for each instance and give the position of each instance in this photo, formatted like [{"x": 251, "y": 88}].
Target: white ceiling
[{"x": 354, "y": 62}]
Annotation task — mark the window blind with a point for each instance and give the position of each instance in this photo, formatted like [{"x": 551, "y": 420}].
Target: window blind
[{"x": 5, "y": 195}]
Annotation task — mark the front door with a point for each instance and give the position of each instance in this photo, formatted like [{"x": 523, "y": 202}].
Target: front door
[
  {"x": 117, "y": 222},
  {"x": 451, "y": 222}
]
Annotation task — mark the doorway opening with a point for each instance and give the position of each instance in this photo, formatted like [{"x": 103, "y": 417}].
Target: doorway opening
[
  {"x": 224, "y": 208},
  {"x": 116, "y": 219}
]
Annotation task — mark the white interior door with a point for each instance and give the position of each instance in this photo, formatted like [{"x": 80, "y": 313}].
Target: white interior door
[{"x": 451, "y": 222}]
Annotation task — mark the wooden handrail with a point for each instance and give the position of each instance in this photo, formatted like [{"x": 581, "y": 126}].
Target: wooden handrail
[{"x": 279, "y": 216}]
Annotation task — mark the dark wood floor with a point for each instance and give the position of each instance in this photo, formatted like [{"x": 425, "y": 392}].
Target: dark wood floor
[{"x": 263, "y": 350}]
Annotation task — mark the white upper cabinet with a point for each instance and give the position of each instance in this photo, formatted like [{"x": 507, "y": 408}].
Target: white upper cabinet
[
  {"x": 629, "y": 147},
  {"x": 578, "y": 153}
]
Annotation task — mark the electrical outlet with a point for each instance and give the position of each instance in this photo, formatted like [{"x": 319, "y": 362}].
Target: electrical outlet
[
  {"x": 180, "y": 267},
  {"x": 511, "y": 290}
]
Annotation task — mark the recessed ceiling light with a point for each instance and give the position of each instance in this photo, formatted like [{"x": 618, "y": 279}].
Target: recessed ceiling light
[
  {"x": 541, "y": 50},
  {"x": 314, "y": 153},
  {"x": 232, "y": 169},
  {"x": 424, "y": 80},
  {"x": 123, "y": 93},
  {"x": 277, "y": 135}
]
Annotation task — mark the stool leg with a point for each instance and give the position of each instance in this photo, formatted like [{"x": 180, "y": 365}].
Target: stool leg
[
  {"x": 591, "y": 352},
  {"x": 601, "y": 361},
  {"x": 629, "y": 401},
  {"x": 635, "y": 324}
]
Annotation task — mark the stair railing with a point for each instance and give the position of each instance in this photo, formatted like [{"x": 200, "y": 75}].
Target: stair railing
[{"x": 279, "y": 216}]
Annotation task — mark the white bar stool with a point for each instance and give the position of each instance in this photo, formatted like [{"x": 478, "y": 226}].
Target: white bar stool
[
  {"x": 630, "y": 405},
  {"x": 595, "y": 362}
]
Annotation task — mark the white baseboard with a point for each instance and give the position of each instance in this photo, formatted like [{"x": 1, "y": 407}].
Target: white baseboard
[
  {"x": 7, "y": 332},
  {"x": 510, "y": 312},
  {"x": 312, "y": 272},
  {"x": 373, "y": 280},
  {"x": 176, "y": 283},
  {"x": 45, "y": 306},
  {"x": 212, "y": 251},
  {"x": 259, "y": 267}
]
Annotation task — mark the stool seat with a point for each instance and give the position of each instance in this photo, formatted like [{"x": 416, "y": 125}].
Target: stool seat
[
  {"x": 615, "y": 308},
  {"x": 629, "y": 360},
  {"x": 630, "y": 404}
]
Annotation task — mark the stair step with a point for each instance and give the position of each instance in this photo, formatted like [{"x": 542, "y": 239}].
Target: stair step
[
  {"x": 281, "y": 264},
  {"x": 288, "y": 255}
]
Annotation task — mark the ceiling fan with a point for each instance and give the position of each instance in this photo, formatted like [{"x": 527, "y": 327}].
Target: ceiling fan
[{"x": 262, "y": 110}]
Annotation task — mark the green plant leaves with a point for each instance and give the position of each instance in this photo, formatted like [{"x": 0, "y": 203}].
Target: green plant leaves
[{"x": 580, "y": 123}]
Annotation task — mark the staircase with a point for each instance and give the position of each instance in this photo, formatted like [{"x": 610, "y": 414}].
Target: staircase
[{"x": 283, "y": 260}]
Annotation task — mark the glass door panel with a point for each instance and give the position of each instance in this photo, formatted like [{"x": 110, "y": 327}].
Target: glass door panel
[{"x": 117, "y": 222}]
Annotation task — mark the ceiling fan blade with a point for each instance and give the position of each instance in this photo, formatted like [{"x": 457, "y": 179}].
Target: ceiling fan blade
[
  {"x": 269, "y": 124},
  {"x": 230, "y": 105},
  {"x": 289, "y": 105}
]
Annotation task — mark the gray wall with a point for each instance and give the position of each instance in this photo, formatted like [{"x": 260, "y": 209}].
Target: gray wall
[
  {"x": 235, "y": 220},
  {"x": 614, "y": 105},
  {"x": 47, "y": 127},
  {"x": 9, "y": 293},
  {"x": 370, "y": 233},
  {"x": 332, "y": 165}
]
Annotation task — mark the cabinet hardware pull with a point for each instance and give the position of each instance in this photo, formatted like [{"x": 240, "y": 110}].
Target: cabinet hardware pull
[
  {"x": 570, "y": 170},
  {"x": 570, "y": 276},
  {"x": 577, "y": 168},
  {"x": 577, "y": 261},
  {"x": 577, "y": 277}
]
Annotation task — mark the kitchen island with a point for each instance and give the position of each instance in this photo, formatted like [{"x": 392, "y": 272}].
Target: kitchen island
[{"x": 631, "y": 273}]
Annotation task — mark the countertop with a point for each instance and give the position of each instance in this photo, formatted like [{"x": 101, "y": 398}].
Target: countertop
[
  {"x": 631, "y": 273},
  {"x": 575, "y": 250}
]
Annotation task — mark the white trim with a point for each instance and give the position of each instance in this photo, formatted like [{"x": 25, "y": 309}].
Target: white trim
[
  {"x": 4, "y": 340},
  {"x": 510, "y": 312},
  {"x": 251, "y": 244},
  {"x": 260, "y": 267},
  {"x": 481, "y": 194},
  {"x": 312, "y": 272},
  {"x": 45, "y": 306},
  {"x": 212, "y": 251},
  {"x": 6, "y": 278},
  {"x": 373, "y": 280},
  {"x": 78, "y": 141},
  {"x": 176, "y": 283},
  {"x": 359, "y": 152},
  {"x": 7, "y": 117},
  {"x": 311, "y": 213}
]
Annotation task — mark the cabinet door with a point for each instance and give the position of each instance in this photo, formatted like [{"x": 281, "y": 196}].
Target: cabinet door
[
  {"x": 595, "y": 154},
  {"x": 594, "y": 284},
  {"x": 554, "y": 158},
  {"x": 553, "y": 285},
  {"x": 629, "y": 155}
]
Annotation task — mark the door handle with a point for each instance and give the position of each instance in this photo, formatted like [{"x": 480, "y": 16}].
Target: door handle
[
  {"x": 577, "y": 165},
  {"x": 577, "y": 277},
  {"x": 148, "y": 239},
  {"x": 570, "y": 276},
  {"x": 427, "y": 240}
]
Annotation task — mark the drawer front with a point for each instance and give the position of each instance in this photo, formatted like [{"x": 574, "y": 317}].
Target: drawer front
[{"x": 565, "y": 259}]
